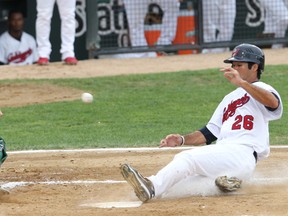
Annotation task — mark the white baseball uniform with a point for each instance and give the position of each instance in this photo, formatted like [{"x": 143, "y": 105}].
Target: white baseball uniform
[
  {"x": 136, "y": 12},
  {"x": 240, "y": 124},
  {"x": 18, "y": 52},
  {"x": 43, "y": 26},
  {"x": 218, "y": 15},
  {"x": 276, "y": 17}
]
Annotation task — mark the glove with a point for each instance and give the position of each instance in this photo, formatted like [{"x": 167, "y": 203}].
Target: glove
[{"x": 3, "y": 154}]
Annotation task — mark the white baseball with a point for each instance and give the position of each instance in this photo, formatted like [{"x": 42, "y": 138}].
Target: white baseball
[{"x": 87, "y": 97}]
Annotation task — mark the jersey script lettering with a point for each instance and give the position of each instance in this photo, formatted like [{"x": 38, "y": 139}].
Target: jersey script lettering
[{"x": 231, "y": 109}]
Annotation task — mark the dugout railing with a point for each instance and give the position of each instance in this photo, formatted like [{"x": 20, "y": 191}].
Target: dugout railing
[{"x": 103, "y": 29}]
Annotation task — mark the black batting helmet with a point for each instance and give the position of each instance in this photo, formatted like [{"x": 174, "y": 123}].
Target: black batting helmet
[{"x": 247, "y": 53}]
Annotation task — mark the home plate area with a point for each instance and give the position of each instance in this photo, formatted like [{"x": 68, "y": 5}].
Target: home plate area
[
  {"x": 132, "y": 204},
  {"x": 88, "y": 182}
]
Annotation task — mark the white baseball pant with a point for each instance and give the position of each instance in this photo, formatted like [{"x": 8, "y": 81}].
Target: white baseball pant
[
  {"x": 208, "y": 161},
  {"x": 43, "y": 26}
]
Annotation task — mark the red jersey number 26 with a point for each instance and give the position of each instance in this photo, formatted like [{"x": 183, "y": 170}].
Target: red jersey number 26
[{"x": 243, "y": 121}]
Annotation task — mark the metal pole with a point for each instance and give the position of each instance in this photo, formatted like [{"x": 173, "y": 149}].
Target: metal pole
[{"x": 92, "y": 37}]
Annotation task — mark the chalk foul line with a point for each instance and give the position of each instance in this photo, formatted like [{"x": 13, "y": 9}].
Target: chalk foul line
[
  {"x": 11, "y": 185},
  {"x": 141, "y": 149}
]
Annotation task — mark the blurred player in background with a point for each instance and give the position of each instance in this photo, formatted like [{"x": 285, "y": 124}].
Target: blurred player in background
[
  {"x": 3, "y": 156},
  {"x": 67, "y": 10},
  {"x": 16, "y": 46},
  {"x": 276, "y": 18},
  {"x": 136, "y": 12},
  {"x": 218, "y": 22}
]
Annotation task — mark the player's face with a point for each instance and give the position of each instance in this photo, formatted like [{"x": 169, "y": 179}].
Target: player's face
[
  {"x": 250, "y": 75},
  {"x": 16, "y": 22}
]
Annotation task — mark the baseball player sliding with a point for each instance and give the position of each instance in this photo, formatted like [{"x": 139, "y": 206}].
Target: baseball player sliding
[{"x": 239, "y": 124}]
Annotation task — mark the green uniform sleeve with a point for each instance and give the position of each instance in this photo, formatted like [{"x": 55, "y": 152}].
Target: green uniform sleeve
[{"x": 3, "y": 154}]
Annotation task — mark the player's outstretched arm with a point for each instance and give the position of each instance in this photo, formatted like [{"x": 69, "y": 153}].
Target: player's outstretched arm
[{"x": 173, "y": 140}]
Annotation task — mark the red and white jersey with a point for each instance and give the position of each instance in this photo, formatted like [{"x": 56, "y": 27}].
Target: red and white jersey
[
  {"x": 240, "y": 119},
  {"x": 15, "y": 52}
]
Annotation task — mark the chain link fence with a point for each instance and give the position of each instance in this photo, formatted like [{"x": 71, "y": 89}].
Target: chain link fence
[{"x": 187, "y": 26}]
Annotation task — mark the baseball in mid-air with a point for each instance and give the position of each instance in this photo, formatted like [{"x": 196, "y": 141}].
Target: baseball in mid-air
[{"x": 87, "y": 97}]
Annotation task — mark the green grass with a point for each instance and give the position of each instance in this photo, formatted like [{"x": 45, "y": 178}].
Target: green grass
[{"x": 128, "y": 110}]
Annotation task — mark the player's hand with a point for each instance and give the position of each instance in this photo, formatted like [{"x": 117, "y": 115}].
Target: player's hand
[
  {"x": 171, "y": 140},
  {"x": 232, "y": 75},
  {"x": 1, "y": 113}
]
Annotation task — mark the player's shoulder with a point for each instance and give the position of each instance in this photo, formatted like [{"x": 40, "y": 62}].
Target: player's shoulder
[
  {"x": 4, "y": 35},
  {"x": 266, "y": 87},
  {"x": 262, "y": 85},
  {"x": 4, "y": 39},
  {"x": 27, "y": 35},
  {"x": 29, "y": 39}
]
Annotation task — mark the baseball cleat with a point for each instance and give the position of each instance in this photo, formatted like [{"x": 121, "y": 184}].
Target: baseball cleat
[
  {"x": 71, "y": 61},
  {"x": 143, "y": 187},
  {"x": 43, "y": 61},
  {"x": 226, "y": 184},
  {"x": 3, "y": 192}
]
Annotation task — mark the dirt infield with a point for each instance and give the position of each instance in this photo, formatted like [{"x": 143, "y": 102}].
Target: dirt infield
[{"x": 72, "y": 182}]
